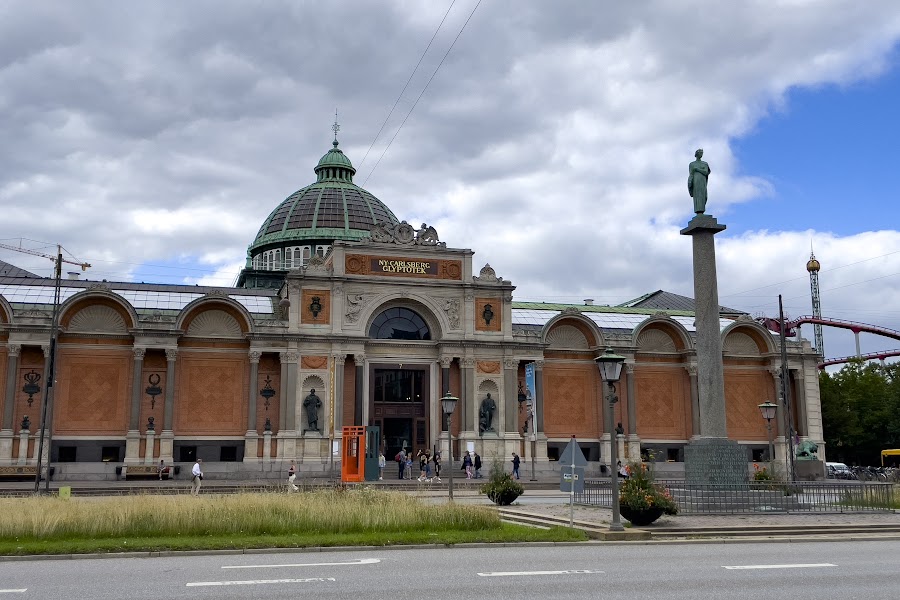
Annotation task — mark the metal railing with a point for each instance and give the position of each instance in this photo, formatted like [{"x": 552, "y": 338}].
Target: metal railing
[{"x": 761, "y": 497}]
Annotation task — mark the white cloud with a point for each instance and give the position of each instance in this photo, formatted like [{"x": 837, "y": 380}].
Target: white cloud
[{"x": 554, "y": 140}]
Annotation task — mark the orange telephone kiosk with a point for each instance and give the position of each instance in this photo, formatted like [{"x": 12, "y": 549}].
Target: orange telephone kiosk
[{"x": 353, "y": 454}]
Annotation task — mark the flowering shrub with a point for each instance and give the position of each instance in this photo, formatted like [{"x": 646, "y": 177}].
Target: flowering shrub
[
  {"x": 761, "y": 473},
  {"x": 639, "y": 492}
]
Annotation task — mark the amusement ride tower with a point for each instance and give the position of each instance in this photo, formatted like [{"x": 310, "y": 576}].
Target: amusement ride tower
[{"x": 813, "y": 267}]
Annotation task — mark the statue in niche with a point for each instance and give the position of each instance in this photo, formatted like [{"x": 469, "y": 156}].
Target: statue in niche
[
  {"x": 619, "y": 429},
  {"x": 486, "y": 414},
  {"x": 698, "y": 174},
  {"x": 312, "y": 404}
]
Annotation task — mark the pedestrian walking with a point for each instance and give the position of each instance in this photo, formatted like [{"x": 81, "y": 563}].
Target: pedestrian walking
[
  {"x": 516, "y": 462},
  {"x": 401, "y": 462},
  {"x": 292, "y": 475},
  {"x": 423, "y": 462},
  {"x": 381, "y": 465},
  {"x": 477, "y": 464},
  {"x": 436, "y": 459},
  {"x": 467, "y": 465},
  {"x": 196, "y": 477}
]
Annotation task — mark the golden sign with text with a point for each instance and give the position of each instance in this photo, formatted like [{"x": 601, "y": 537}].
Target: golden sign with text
[{"x": 362, "y": 264}]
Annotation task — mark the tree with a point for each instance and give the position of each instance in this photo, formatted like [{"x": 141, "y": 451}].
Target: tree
[{"x": 861, "y": 411}]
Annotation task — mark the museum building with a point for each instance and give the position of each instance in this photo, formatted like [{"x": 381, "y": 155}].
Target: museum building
[{"x": 347, "y": 316}]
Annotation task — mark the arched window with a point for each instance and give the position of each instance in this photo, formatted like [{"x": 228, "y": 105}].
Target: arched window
[{"x": 399, "y": 324}]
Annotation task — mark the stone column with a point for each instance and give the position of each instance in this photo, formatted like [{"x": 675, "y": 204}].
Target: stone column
[
  {"x": 695, "y": 402},
  {"x": 711, "y": 458},
  {"x": 338, "y": 415},
  {"x": 634, "y": 441},
  {"x": 539, "y": 396},
  {"x": 467, "y": 397},
  {"x": 251, "y": 438},
  {"x": 509, "y": 406},
  {"x": 445, "y": 362},
  {"x": 282, "y": 393},
  {"x": 9, "y": 400},
  {"x": 167, "y": 437},
  {"x": 802, "y": 426},
  {"x": 292, "y": 359},
  {"x": 360, "y": 360},
  {"x": 49, "y": 382},
  {"x": 12, "y": 373},
  {"x": 133, "y": 436}
]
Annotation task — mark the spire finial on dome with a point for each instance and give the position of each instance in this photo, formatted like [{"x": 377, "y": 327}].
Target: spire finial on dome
[{"x": 335, "y": 128}]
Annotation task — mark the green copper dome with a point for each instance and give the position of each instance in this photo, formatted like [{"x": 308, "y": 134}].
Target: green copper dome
[{"x": 332, "y": 208}]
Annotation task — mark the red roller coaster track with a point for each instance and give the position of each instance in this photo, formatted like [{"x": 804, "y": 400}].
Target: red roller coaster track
[{"x": 853, "y": 326}]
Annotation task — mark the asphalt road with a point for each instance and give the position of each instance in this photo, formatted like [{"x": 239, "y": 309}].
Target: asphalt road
[{"x": 821, "y": 571}]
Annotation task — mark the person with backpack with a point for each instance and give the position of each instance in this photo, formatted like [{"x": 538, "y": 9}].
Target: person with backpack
[
  {"x": 467, "y": 465},
  {"x": 477, "y": 463},
  {"x": 401, "y": 462}
]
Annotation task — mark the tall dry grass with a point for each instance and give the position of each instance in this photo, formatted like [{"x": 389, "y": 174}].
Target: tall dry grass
[{"x": 331, "y": 511}]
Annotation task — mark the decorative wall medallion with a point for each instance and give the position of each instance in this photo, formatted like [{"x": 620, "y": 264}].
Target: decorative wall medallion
[
  {"x": 31, "y": 386},
  {"x": 153, "y": 390},
  {"x": 488, "y": 366},
  {"x": 314, "y": 362}
]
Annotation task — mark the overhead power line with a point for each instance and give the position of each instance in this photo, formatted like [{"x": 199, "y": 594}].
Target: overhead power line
[{"x": 421, "y": 93}]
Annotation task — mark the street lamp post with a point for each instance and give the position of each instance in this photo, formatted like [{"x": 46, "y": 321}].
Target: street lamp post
[
  {"x": 610, "y": 365},
  {"x": 767, "y": 409},
  {"x": 448, "y": 405}
]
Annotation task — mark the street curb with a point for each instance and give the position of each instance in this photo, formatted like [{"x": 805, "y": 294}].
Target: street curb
[{"x": 468, "y": 545}]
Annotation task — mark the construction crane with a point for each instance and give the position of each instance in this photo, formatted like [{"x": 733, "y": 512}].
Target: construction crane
[
  {"x": 84, "y": 266},
  {"x": 50, "y": 378}
]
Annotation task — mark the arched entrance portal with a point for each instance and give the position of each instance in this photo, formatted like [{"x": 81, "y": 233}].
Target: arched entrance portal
[{"x": 400, "y": 393}]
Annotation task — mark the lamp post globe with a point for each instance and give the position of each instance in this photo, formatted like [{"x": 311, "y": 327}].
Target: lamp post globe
[
  {"x": 448, "y": 405},
  {"x": 768, "y": 410},
  {"x": 610, "y": 365}
]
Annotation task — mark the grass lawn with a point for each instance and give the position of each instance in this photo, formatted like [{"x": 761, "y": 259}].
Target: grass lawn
[{"x": 356, "y": 517}]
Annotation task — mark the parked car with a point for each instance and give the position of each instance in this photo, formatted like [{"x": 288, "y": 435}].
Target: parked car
[{"x": 837, "y": 470}]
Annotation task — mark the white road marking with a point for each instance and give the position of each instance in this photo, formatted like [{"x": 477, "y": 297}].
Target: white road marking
[
  {"x": 13, "y": 591},
  {"x": 796, "y": 566},
  {"x": 361, "y": 561},
  {"x": 258, "y": 581},
  {"x": 519, "y": 573}
]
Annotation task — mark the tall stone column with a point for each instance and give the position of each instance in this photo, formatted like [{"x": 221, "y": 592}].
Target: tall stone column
[
  {"x": 445, "y": 362},
  {"x": 133, "y": 436},
  {"x": 359, "y": 401},
  {"x": 12, "y": 372},
  {"x": 287, "y": 434},
  {"x": 509, "y": 407},
  {"x": 251, "y": 438},
  {"x": 167, "y": 437},
  {"x": 802, "y": 426},
  {"x": 633, "y": 441},
  {"x": 539, "y": 396},
  {"x": 338, "y": 414},
  {"x": 467, "y": 397},
  {"x": 711, "y": 458},
  {"x": 9, "y": 400}
]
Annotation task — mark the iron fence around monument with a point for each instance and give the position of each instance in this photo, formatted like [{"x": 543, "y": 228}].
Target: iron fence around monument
[{"x": 761, "y": 497}]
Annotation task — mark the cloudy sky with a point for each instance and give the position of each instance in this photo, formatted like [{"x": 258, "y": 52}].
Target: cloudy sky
[{"x": 153, "y": 138}]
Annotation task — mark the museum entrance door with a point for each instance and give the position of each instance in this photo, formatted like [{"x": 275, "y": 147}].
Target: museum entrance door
[{"x": 400, "y": 399}]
